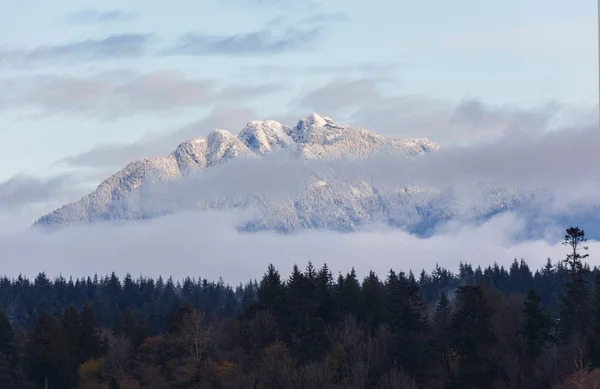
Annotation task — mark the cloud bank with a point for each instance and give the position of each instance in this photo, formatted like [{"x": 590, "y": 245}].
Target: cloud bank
[
  {"x": 113, "y": 96},
  {"x": 259, "y": 42},
  {"x": 363, "y": 101},
  {"x": 208, "y": 246},
  {"x": 130, "y": 45}
]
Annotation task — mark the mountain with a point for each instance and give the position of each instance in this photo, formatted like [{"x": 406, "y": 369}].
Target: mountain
[{"x": 213, "y": 172}]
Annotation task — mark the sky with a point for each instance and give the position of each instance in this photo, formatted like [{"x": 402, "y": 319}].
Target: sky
[{"x": 88, "y": 86}]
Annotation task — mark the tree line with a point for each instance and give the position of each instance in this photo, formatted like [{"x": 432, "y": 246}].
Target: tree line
[{"x": 476, "y": 328}]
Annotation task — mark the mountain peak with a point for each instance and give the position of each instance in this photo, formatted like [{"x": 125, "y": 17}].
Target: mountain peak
[
  {"x": 313, "y": 120},
  {"x": 303, "y": 130},
  {"x": 263, "y": 136},
  {"x": 121, "y": 196}
]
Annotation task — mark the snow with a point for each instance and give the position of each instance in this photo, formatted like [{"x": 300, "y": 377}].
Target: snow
[{"x": 324, "y": 201}]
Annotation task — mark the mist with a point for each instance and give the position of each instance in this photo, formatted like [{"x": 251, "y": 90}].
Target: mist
[{"x": 207, "y": 245}]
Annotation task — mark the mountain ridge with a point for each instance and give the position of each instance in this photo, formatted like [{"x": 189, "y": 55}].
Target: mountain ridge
[{"x": 122, "y": 196}]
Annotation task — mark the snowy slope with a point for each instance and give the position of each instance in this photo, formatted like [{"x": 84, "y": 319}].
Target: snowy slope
[{"x": 203, "y": 173}]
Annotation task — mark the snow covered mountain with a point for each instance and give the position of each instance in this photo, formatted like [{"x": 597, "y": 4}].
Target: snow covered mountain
[{"x": 204, "y": 173}]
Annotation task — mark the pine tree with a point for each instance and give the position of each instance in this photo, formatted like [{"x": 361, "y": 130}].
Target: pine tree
[
  {"x": 442, "y": 321},
  {"x": 8, "y": 358},
  {"x": 324, "y": 283},
  {"x": 348, "y": 295},
  {"x": 472, "y": 338},
  {"x": 304, "y": 330},
  {"x": 271, "y": 291},
  {"x": 575, "y": 309},
  {"x": 594, "y": 340},
  {"x": 44, "y": 353},
  {"x": 127, "y": 324},
  {"x": 142, "y": 331},
  {"x": 7, "y": 337},
  {"x": 70, "y": 346},
  {"x": 538, "y": 323},
  {"x": 407, "y": 323},
  {"x": 373, "y": 302},
  {"x": 88, "y": 342}
]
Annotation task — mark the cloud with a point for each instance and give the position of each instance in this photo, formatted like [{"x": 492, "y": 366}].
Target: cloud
[
  {"x": 564, "y": 160},
  {"x": 95, "y": 16},
  {"x": 561, "y": 169},
  {"x": 131, "y": 45},
  {"x": 287, "y": 5},
  {"x": 111, "y": 97},
  {"x": 208, "y": 246},
  {"x": 118, "y": 155},
  {"x": 361, "y": 101},
  {"x": 20, "y": 191},
  {"x": 260, "y": 42},
  {"x": 24, "y": 197},
  {"x": 361, "y": 68}
]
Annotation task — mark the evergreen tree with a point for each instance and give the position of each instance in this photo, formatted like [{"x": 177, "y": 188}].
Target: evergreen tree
[
  {"x": 305, "y": 329},
  {"x": 8, "y": 360},
  {"x": 271, "y": 292},
  {"x": 594, "y": 340},
  {"x": 142, "y": 331},
  {"x": 442, "y": 336},
  {"x": 44, "y": 353},
  {"x": 373, "y": 302},
  {"x": 127, "y": 327},
  {"x": 407, "y": 324},
  {"x": 473, "y": 339},
  {"x": 347, "y": 295},
  {"x": 536, "y": 329},
  {"x": 326, "y": 303},
  {"x": 71, "y": 351},
  {"x": 6, "y": 339},
  {"x": 88, "y": 342},
  {"x": 575, "y": 309}
]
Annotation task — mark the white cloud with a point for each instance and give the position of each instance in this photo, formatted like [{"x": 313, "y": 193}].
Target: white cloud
[
  {"x": 364, "y": 102},
  {"x": 115, "y": 95},
  {"x": 208, "y": 246}
]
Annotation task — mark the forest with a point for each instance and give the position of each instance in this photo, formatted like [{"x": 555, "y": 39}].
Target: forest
[{"x": 494, "y": 328}]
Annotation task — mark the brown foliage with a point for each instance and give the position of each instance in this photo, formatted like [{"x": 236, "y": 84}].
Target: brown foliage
[
  {"x": 90, "y": 373},
  {"x": 582, "y": 379},
  {"x": 129, "y": 383}
]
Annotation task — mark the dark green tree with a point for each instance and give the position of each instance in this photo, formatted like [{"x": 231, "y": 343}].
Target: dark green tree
[
  {"x": 575, "y": 307},
  {"x": 347, "y": 295},
  {"x": 142, "y": 331},
  {"x": 373, "y": 302},
  {"x": 44, "y": 354},
  {"x": 594, "y": 340},
  {"x": 8, "y": 360},
  {"x": 127, "y": 321},
  {"x": 70, "y": 328},
  {"x": 88, "y": 341},
  {"x": 538, "y": 324},
  {"x": 473, "y": 339},
  {"x": 326, "y": 303},
  {"x": 7, "y": 337},
  {"x": 407, "y": 324},
  {"x": 271, "y": 292},
  {"x": 442, "y": 339}
]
